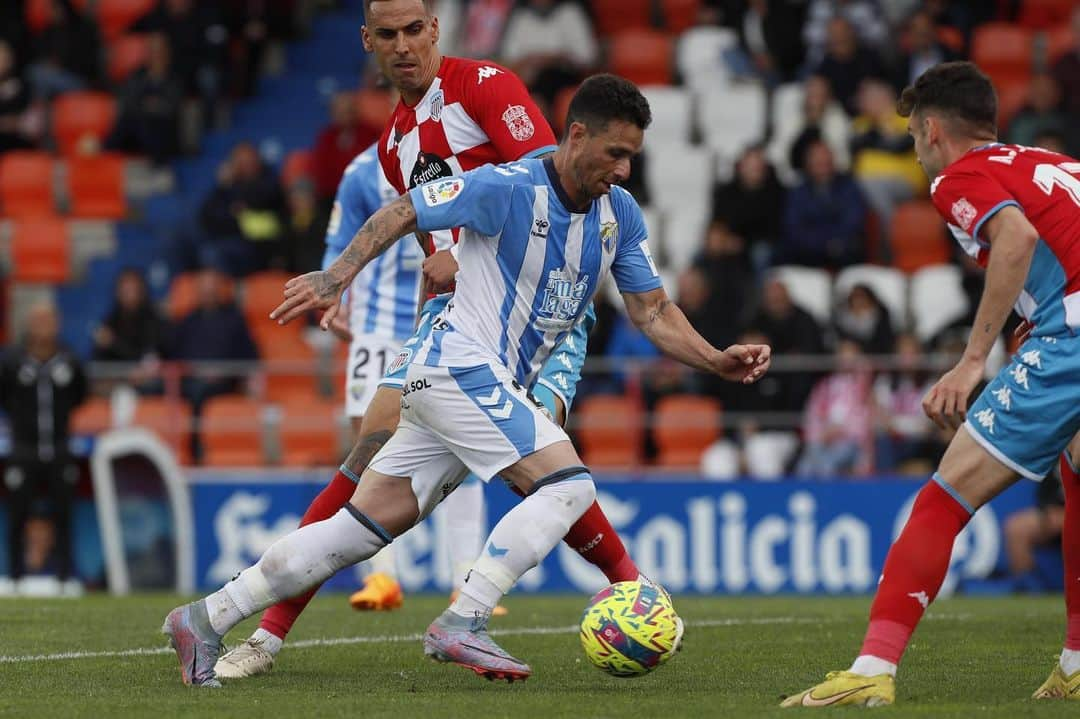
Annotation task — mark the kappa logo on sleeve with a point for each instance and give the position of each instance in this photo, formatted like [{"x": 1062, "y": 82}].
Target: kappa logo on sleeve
[{"x": 438, "y": 193}]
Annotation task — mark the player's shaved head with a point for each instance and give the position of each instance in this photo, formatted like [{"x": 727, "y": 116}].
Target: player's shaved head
[
  {"x": 957, "y": 91},
  {"x": 429, "y": 5},
  {"x": 403, "y": 35}
]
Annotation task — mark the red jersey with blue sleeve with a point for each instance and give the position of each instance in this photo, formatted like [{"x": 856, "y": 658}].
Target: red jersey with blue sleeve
[
  {"x": 1045, "y": 186},
  {"x": 475, "y": 113}
]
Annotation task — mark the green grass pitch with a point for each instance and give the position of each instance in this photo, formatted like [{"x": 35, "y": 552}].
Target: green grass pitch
[{"x": 971, "y": 657}]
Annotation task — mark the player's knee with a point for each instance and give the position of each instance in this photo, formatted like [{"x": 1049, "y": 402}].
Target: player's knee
[
  {"x": 388, "y": 501},
  {"x": 574, "y": 487}
]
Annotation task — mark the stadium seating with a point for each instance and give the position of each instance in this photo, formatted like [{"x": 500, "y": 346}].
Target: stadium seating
[
  {"x": 614, "y": 16},
  {"x": 1012, "y": 96},
  {"x": 769, "y": 453},
  {"x": 127, "y": 54},
  {"x": 231, "y": 428},
  {"x": 96, "y": 186},
  {"x": 809, "y": 287},
  {"x": 287, "y": 358},
  {"x": 170, "y": 420},
  {"x": 918, "y": 237},
  {"x": 888, "y": 283},
  {"x": 92, "y": 417},
  {"x": 1004, "y": 51},
  {"x": 937, "y": 299},
  {"x": 1045, "y": 14},
  {"x": 38, "y": 14},
  {"x": 81, "y": 116},
  {"x": 611, "y": 429},
  {"x": 671, "y": 113},
  {"x": 733, "y": 118},
  {"x": 116, "y": 16},
  {"x": 183, "y": 294},
  {"x": 26, "y": 184},
  {"x": 310, "y": 431},
  {"x": 699, "y": 57},
  {"x": 1059, "y": 40},
  {"x": 645, "y": 57},
  {"x": 679, "y": 177},
  {"x": 41, "y": 250},
  {"x": 680, "y": 15},
  {"x": 683, "y": 427}
]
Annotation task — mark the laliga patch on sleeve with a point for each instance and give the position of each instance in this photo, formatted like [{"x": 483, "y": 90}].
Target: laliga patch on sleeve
[{"x": 441, "y": 192}]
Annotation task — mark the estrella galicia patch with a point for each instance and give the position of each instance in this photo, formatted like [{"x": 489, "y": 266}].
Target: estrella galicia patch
[{"x": 428, "y": 167}]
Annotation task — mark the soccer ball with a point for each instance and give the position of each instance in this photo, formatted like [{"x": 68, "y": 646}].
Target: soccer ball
[{"x": 630, "y": 628}]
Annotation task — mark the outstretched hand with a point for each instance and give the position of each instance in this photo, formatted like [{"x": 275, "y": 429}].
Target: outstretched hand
[
  {"x": 313, "y": 291},
  {"x": 744, "y": 363}
]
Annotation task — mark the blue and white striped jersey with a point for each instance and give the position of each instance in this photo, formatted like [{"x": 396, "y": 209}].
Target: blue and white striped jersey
[
  {"x": 383, "y": 296},
  {"x": 528, "y": 265}
]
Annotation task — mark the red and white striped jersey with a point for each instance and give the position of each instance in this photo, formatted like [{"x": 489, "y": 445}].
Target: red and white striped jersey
[{"x": 474, "y": 113}]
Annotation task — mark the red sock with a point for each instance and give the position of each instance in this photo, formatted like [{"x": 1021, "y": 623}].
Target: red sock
[
  {"x": 279, "y": 619},
  {"x": 1070, "y": 551},
  {"x": 594, "y": 538},
  {"x": 914, "y": 570}
]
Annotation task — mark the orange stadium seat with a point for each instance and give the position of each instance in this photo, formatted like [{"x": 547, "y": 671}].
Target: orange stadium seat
[
  {"x": 309, "y": 431},
  {"x": 116, "y": 16},
  {"x": 680, "y": 15},
  {"x": 96, "y": 186},
  {"x": 644, "y": 57},
  {"x": 289, "y": 361},
  {"x": 951, "y": 38},
  {"x": 41, "y": 250},
  {"x": 374, "y": 107},
  {"x": 78, "y": 116},
  {"x": 297, "y": 164},
  {"x": 170, "y": 419},
  {"x": 262, "y": 292},
  {"x": 1003, "y": 50},
  {"x": 918, "y": 237},
  {"x": 614, "y": 16},
  {"x": 183, "y": 294},
  {"x": 38, "y": 14},
  {"x": 92, "y": 417},
  {"x": 231, "y": 432},
  {"x": 683, "y": 428},
  {"x": 1045, "y": 14},
  {"x": 127, "y": 54},
  {"x": 611, "y": 429},
  {"x": 1012, "y": 96},
  {"x": 26, "y": 184}
]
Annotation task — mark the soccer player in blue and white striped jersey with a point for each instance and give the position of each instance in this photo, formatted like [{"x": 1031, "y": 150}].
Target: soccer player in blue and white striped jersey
[{"x": 538, "y": 237}]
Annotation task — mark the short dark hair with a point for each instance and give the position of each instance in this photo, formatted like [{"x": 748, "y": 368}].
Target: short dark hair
[
  {"x": 958, "y": 90},
  {"x": 603, "y": 98}
]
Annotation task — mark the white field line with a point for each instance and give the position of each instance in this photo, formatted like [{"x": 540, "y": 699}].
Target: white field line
[{"x": 398, "y": 638}]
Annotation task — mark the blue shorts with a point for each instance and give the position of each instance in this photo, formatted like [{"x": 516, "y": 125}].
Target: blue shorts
[
  {"x": 558, "y": 377},
  {"x": 1028, "y": 414}
]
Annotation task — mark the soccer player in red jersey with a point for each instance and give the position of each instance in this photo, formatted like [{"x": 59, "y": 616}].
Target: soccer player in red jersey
[
  {"x": 454, "y": 115},
  {"x": 1017, "y": 211}
]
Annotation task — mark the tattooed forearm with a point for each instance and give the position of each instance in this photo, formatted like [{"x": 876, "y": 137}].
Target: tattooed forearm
[
  {"x": 380, "y": 231},
  {"x": 657, "y": 312},
  {"x": 365, "y": 449}
]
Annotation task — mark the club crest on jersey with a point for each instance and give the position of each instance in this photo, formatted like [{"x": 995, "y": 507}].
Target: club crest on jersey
[
  {"x": 436, "y": 193},
  {"x": 609, "y": 235},
  {"x": 563, "y": 297},
  {"x": 437, "y": 106},
  {"x": 518, "y": 122},
  {"x": 400, "y": 361},
  {"x": 964, "y": 213}
]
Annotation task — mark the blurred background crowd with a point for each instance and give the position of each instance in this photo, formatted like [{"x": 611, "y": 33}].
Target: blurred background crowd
[{"x": 166, "y": 164}]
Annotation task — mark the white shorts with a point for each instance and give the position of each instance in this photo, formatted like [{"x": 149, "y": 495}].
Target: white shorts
[
  {"x": 470, "y": 417},
  {"x": 369, "y": 356}
]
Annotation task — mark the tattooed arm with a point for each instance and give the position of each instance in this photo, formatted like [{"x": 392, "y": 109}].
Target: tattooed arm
[
  {"x": 317, "y": 290},
  {"x": 666, "y": 327},
  {"x": 1012, "y": 245}
]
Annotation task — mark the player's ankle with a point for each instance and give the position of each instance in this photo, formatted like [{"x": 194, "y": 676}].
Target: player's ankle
[
  {"x": 267, "y": 640},
  {"x": 868, "y": 665},
  {"x": 1070, "y": 661}
]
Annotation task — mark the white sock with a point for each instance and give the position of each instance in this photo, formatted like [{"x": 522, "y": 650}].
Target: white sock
[
  {"x": 1070, "y": 661},
  {"x": 525, "y": 535},
  {"x": 466, "y": 526},
  {"x": 292, "y": 565},
  {"x": 477, "y": 597},
  {"x": 868, "y": 665},
  {"x": 270, "y": 642}
]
